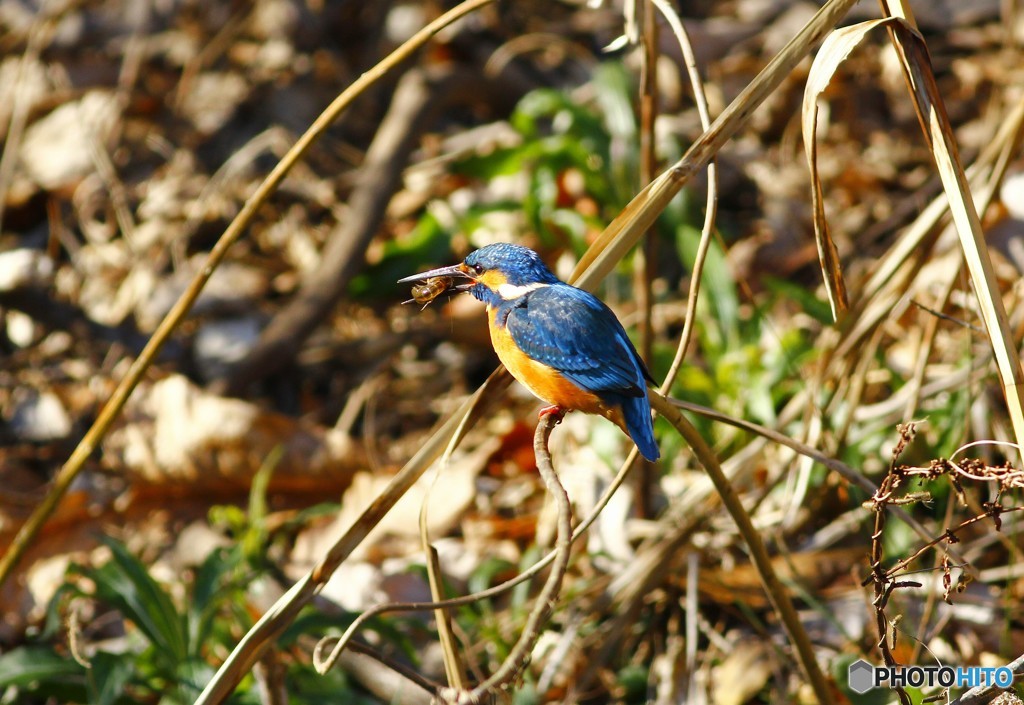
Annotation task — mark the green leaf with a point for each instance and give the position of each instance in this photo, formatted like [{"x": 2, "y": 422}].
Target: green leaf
[
  {"x": 307, "y": 687},
  {"x": 108, "y": 676},
  {"x": 614, "y": 94},
  {"x": 633, "y": 680},
  {"x": 209, "y": 590},
  {"x": 533, "y": 107},
  {"x": 192, "y": 676},
  {"x": 816, "y": 308},
  {"x": 428, "y": 242},
  {"x": 54, "y": 623},
  {"x": 717, "y": 285},
  {"x": 488, "y": 572},
  {"x": 124, "y": 583},
  {"x": 899, "y": 540},
  {"x": 546, "y": 112},
  {"x": 28, "y": 665},
  {"x": 313, "y": 621},
  {"x": 500, "y": 162}
]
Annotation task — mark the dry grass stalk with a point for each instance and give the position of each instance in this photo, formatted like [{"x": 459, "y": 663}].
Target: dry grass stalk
[{"x": 938, "y": 132}]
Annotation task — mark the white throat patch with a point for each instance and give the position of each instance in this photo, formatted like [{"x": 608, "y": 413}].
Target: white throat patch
[{"x": 511, "y": 291}]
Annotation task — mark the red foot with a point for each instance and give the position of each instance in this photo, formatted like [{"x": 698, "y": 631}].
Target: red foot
[{"x": 553, "y": 410}]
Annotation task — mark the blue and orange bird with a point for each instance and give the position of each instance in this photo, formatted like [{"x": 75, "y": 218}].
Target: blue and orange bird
[{"x": 562, "y": 343}]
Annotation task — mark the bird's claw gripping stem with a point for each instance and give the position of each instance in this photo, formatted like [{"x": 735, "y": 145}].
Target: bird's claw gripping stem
[{"x": 554, "y": 410}]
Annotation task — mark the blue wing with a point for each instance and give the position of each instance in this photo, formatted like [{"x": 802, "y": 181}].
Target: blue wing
[{"x": 572, "y": 331}]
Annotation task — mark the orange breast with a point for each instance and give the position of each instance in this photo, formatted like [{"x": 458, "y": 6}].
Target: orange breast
[{"x": 543, "y": 381}]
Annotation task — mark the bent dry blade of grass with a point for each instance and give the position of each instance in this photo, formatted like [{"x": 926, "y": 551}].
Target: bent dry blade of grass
[
  {"x": 833, "y": 52},
  {"x": 599, "y": 260}
]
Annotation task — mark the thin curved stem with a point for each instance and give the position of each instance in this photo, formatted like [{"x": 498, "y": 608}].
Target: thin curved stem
[
  {"x": 710, "y": 208},
  {"x": 516, "y": 660}
]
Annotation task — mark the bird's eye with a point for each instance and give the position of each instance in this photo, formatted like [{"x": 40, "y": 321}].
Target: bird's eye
[{"x": 478, "y": 268}]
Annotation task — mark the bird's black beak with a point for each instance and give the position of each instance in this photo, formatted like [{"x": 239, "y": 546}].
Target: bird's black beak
[{"x": 456, "y": 271}]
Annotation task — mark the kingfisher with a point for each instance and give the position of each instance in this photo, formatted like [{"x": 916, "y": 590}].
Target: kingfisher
[{"x": 562, "y": 343}]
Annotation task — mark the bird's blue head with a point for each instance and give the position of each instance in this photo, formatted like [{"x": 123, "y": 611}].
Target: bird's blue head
[
  {"x": 513, "y": 264},
  {"x": 502, "y": 272},
  {"x": 499, "y": 272}
]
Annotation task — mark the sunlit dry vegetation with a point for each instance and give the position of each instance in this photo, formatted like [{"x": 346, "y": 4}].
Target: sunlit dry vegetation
[{"x": 212, "y": 394}]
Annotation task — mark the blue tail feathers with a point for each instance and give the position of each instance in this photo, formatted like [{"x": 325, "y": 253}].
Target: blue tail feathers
[{"x": 637, "y": 412}]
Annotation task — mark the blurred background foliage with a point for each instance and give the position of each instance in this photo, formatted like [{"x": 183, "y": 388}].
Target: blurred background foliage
[{"x": 204, "y": 505}]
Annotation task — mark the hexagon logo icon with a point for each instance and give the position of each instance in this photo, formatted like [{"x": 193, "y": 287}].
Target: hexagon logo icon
[{"x": 861, "y": 676}]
